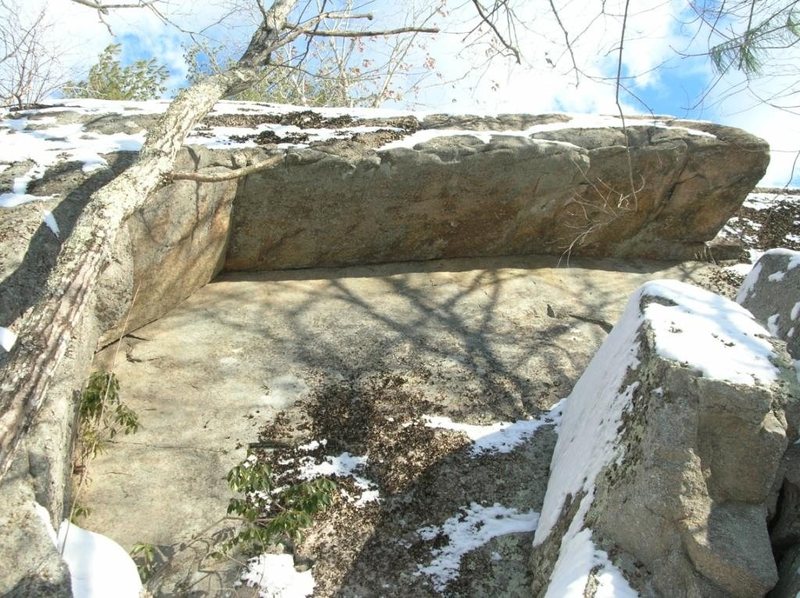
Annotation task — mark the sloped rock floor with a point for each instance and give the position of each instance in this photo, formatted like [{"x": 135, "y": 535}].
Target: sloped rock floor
[{"x": 355, "y": 357}]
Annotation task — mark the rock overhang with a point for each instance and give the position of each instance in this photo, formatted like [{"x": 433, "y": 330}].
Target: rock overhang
[{"x": 360, "y": 186}]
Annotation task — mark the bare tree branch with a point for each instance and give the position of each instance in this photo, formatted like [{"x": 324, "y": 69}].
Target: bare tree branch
[
  {"x": 356, "y": 33},
  {"x": 48, "y": 326},
  {"x": 619, "y": 108},
  {"x": 104, "y": 8},
  {"x": 215, "y": 177},
  {"x": 487, "y": 19},
  {"x": 566, "y": 41}
]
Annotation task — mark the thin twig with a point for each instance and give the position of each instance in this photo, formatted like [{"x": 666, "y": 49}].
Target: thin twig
[
  {"x": 343, "y": 33},
  {"x": 567, "y": 42},
  {"x": 215, "y": 177},
  {"x": 486, "y": 19},
  {"x": 619, "y": 106}
]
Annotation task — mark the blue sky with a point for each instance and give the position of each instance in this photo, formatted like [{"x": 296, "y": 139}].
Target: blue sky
[{"x": 666, "y": 83}]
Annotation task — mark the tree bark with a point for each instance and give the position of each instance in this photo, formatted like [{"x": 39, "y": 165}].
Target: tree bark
[{"x": 47, "y": 327}]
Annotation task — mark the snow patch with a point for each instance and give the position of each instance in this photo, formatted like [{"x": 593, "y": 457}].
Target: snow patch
[
  {"x": 99, "y": 566},
  {"x": 707, "y": 332},
  {"x": 313, "y": 445},
  {"x": 275, "y": 577},
  {"x": 740, "y": 269},
  {"x": 749, "y": 283},
  {"x": 46, "y": 147},
  {"x": 51, "y": 223},
  {"x": 772, "y": 324},
  {"x": 795, "y": 313},
  {"x": 500, "y": 437},
  {"x": 585, "y": 446},
  {"x": 577, "y": 558},
  {"x": 8, "y": 338},
  {"x": 471, "y": 528},
  {"x": 577, "y": 121},
  {"x": 344, "y": 465},
  {"x": 776, "y": 276},
  {"x": 760, "y": 201}
]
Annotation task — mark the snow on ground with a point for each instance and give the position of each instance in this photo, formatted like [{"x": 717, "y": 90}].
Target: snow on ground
[
  {"x": 275, "y": 577},
  {"x": 500, "y": 437},
  {"x": 471, "y": 528},
  {"x": 344, "y": 465},
  {"x": 98, "y": 566}
]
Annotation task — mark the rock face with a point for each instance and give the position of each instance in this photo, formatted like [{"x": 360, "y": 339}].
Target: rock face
[
  {"x": 669, "y": 447},
  {"x": 468, "y": 193},
  {"x": 463, "y": 187},
  {"x": 772, "y": 294},
  {"x": 170, "y": 248},
  {"x": 31, "y": 565},
  {"x": 372, "y": 189}
]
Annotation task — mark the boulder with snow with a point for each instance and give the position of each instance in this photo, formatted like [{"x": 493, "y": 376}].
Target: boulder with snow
[
  {"x": 669, "y": 446},
  {"x": 771, "y": 291},
  {"x": 358, "y": 187}
]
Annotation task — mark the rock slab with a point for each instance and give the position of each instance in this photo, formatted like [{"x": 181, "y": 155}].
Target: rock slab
[
  {"x": 665, "y": 459},
  {"x": 652, "y": 190}
]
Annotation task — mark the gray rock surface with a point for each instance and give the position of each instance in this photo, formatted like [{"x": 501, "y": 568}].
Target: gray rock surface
[
  {"x": 772, "y": 294},
  {"x": 481, "y": 340},
  {"x": 562, "y": 191},
  {"x": 30, "y": 565},
  {"x": 345, "y": 202},
  {"x": 677, "y": 490},
  {"x": 789, "y": 573},
  {"x": 171, "y": 247}
]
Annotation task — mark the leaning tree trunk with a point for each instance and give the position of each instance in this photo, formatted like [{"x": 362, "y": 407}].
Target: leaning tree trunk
[{"x": 47, "y": 327}]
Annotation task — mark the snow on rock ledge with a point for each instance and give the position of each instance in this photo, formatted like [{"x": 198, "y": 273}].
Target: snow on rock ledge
[{"x": 665, "y": 459}]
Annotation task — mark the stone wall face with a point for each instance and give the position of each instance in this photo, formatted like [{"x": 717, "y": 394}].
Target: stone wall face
[
  {"x": 170, "y": 248},
  {"x": 564, "y": 191}
]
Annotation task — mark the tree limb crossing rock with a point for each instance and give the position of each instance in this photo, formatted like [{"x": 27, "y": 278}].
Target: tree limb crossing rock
[{"x": 669, "y": 446}]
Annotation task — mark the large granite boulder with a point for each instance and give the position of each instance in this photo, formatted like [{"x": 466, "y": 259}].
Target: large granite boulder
[
  {"x": 771, "y": 291},
  {"x": 657, "y": 190},
  {"x": 668, "y": 450},
  {"x": 367, "y": 189}
]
